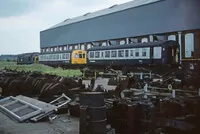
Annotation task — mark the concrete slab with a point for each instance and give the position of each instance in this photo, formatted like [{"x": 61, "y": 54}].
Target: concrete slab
[{"x": 100, "y": 81}]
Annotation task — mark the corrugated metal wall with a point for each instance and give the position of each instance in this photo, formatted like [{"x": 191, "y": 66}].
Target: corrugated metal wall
[{"x": 160, "y": 17}]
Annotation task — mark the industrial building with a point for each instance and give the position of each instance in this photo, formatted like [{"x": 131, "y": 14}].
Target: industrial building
[{"x": 134, "y": 21}]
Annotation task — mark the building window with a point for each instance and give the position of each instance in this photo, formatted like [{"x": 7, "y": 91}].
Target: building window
[
  {"x": 70, "y": 47},
  {"x": 82, "y": 47},
  {"x": 172, "y": 37},
  {"x": 133, "y": 40},
  {"x": 60, "y": 48},
  {"x": 89, "y": 46},
  {"x": 122, "y": 42},
  {"x": 65, "y": 48},
  {"x": 144, "y": 40},
  {"x": 76, "y": 46},
  {"x": 104, "y": 44},
  {"x": 51, "y": 49},
  {"x": 55, "y": 49},
  {"x": 189, "y": 45}
]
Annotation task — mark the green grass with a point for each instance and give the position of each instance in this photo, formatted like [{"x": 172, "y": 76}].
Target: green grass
[{"x": 39, "y": 68}]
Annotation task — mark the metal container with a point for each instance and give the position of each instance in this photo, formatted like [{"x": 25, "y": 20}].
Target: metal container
[{"x": 92, "y": 113}]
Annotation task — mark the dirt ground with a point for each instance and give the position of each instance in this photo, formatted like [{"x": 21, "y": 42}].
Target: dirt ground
[{"x": 63, "y": 124}]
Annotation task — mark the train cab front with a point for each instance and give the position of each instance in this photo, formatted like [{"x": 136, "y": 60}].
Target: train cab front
[{"x": 78, "y": 58}]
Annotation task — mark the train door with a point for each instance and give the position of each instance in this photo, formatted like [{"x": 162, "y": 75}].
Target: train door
[
  {"x": 102, "y": 54},
  {"x": 132, "y": 53},
  {"x": 173, "y": 55},
  {"x": 151, "y": 55},
  {"x": 36, "y": 59}
]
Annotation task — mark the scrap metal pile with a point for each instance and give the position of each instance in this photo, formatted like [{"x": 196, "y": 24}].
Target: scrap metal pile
[
  {"x": 167, "y": 104},
  {"x": 144, "y": 102}
]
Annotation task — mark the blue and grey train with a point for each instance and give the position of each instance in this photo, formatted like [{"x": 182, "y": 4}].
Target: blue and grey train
[
  {"x": 28, "y": 58},
  {"x": 135, "y": 54},
  {"x": 117, "y": 56}
]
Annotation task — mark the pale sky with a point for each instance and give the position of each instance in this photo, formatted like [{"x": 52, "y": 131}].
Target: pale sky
[{"x": 22, "y": 20}]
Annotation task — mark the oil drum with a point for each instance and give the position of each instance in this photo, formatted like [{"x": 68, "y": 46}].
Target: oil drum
[{"x": 92, "y": 113}]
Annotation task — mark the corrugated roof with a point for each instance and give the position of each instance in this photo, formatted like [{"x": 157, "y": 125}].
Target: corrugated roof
[{"x": 112, "y": 9}]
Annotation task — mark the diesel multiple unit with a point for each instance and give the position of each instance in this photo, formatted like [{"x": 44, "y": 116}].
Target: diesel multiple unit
[{"x": 152, "y": 53}]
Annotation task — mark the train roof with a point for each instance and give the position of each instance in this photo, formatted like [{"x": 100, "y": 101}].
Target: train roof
[
  {"x": 35, "y": 53},
  {"x": 66, "y": 51},
  {"x": 136, "y": 45}
]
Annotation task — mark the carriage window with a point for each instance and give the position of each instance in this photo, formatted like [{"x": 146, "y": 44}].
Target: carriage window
[
  {"x": 54, "y": 56},
  {"x": 157, "y": 53},
  {"x": 67, "y": 56},
  {"x": 80, "y": 56},
  {"x": 76, "y": 56},
  {"x": 50, "y": 57},
  {"x": 136, "y": 54},
  {"x": 131, "y": 53},
  {"x": 83, "y": 55},
  {"x": 126, "y": 53},
  {"x": 91, "y": 54},
  {"x": 113, "y": 53},
  {"x": 102, "y": 54},
  {"x": 144, "y": 53},
  {"x": 63, "y": 56},
  {"x": 120, "y": 53},
  {"x": 97, "y": 54},
  {"x": 107, "y": 54}
]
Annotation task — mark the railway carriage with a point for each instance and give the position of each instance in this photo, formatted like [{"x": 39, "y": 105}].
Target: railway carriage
[
  {"x": 28, "y": 58},
  {"x": 135, "y": 54},
  {"x": 67, "y": 59}
]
